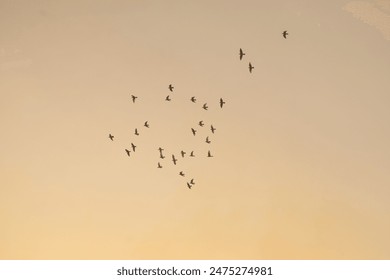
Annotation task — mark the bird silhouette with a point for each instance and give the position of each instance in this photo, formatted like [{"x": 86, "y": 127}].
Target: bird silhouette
[
  {"x": 213, "y": 129},
  {"x": 182, "y": 153},
  {"x": 241, "y": 54},
  {"x": 209, "y": 154},
  {"x": 285, "y": 34},
  {"x": 192, "y": 182},
  {"x": 160, "y": 149},
  {"x": 201, "y": 123},
  {"x": 192, "y": 154},
  {"x": 251, "y": 67},
  {"x": 159, "y": 165},
  {"x": 162, "y": 156},
  {"x": 134, "y": 98},
  {"x": 171, "y": 87},
  {"x": 221, "y": 102},
  {"x": 181, "y": 173},
  {"x": 207, "y": 140},
  {"x": 205, "y": 106},
  {"x": 167, "y": 98},
  {"x": 193, "y": 131},
  {"x": 111, "y": 137},
  {"x": 136, "y": 132},
  {"x": 193, "y": 99},
  {"x": 146, "y": 124},
  {"x": 189, "y": 185},
  {"x": 174, "y": 159},
  {"x": 133, "y": 147},
  {"x": 128, "y": 152}
]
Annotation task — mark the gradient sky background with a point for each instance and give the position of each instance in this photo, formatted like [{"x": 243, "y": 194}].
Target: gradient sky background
[{"x": 301, "y": 152}]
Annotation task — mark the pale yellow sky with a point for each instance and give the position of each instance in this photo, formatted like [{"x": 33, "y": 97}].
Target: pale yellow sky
[{"x": 301, "y": 154}]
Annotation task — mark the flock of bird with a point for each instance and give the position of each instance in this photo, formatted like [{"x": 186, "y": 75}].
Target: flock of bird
[{"x": 193, "y": 99}]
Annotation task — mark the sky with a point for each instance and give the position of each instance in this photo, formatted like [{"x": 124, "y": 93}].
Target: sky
[{"x": 301, "y": 157}]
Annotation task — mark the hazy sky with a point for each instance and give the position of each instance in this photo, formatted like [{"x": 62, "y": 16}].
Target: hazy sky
[{"x": 301, "y": 151}]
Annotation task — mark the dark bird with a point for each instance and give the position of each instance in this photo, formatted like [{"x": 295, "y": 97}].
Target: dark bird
[
  {"x": 192, "y": 154},
  {"x": 251, "y": 67},
  {"x": 205, "y": 106},
  {"x": 133, "y": 147},
  {"x": 182, "y": 153},
  {"x": 213, "y": 129},
  {"x": 193, "y": 99},
  {"x": 285, "y": 34},
  {"x": 221, "y": 102},
  {"x": 136, "y": 132},
  {"x": 201, "y": 123},
  {"x": 192, "y": 182},
  {"x": 193, "y": 131},
  {"x": 241, "y": 54},
  {"x": 174, "y": 159},
  {"x": 160, "y": 149},
  {"x": 159, "y": 165},
  {"x": 146, "y": 124},
  {"x": 171, "y": 87},
  {"x": 162, "y": 156},
  {"x": 111, "y": 137},
  {"x": 209, "y": 154},
  {"x": 189, "y": 185},
  {"x": 167, "y": 98},
  {"x": 181, "y": 173},
  {"x": 128, "y": 152},
  {"x": 134, "y": 98},
  {"x": 207, "y": 140}
]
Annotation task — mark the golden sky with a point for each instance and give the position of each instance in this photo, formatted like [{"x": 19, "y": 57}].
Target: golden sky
[{"x": 301, "y": 151}]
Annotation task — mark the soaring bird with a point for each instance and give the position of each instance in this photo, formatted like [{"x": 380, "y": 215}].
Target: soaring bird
[
  {"x": 192, "y": 154},
  {"x": 136, "y": 132},
  {"x": 241, "y": 54},
  {"x": 111, "y": 137},
  {"x": 167, "y": 98},
  {"x": 209, "y": 154},
  {"x": 128, "y": 152},
  {"x": 250, "y": 67},
  {"x": 159, "y": 165},
  {"x": 134, "y": 98},
  {"x": 160, "y": 149},
  {"x": 174, "y": 159},
  {"x": 201, "y": 123},
  {"x": 207, "y": 140},
  {"x": 192, "y": 182},
  {"x": 193, "y": 99},
  {"x": 182, "y": 153},
  {"x": 189, "y": 185},
  {"x": 133, "y": 147},
  {"x": 171, "y": 87},
  {"x": 221, "y": 102},
  {"x": 193, "y": 131},
  {"x": 285, "y": 34},
  {"x": 146, "y": 124},
  {"x": 181, "y": 173},
  {"x": 205, "y": 106},
  {"x": 213, "y": 129}
]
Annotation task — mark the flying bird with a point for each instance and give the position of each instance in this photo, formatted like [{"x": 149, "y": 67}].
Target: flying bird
[
  {"x": 128, "y": 152},
  {"x": 205, "y": 106},
  {"x": 192, "y": 154},
  {"x": 213, "y": 129},
  {"x": 193, "y": 131},
  {"x": 192, "y": 182},
  {"x": 159, "y": 165},
  {"x": 285, "y": 34},
  {"x": 207, "y": 140},
  {"x": 162, "y": 156},
  {"x": 241, "y": 54},
  {"x": 189, "y": 185},
  {"x": 250, "y": 67},
  {"x": 201, "y": 123},
  {"x": 146, "y": 124},
  {"x": 209, "y": 154},
  {"x": 134, "y": 98},
  {"x": 136, "y": 132},
  {"x": 160, "y": 149},
  {"x": 133, "y": 147},
  {"x": 174, "y": 159},
  {"x": 193, "y": 99},
  {"x": 111, "y": 137},
  {"x": 171, "y": 87},
  {"x": 221, "y": 102},
  {"x": 181, "y": 173},
  {"x": 167, "y": 98},
  {"x": 182, "y": 153}
]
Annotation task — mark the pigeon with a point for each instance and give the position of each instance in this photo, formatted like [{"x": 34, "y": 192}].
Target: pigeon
[
  {"x": 111, "y": 137},
  {"x": 189, "y": 185},
  {"x": 221, "y": 102},
  {"x": 146, "y": 124},
  {"x": 167, "y": 98},
  {"x": 134, "y": 98},
  {"x": 171, "y": 87},
  {"x": 136, "y": 132},
  {"x": 209, "y": 154},
  {"x": 192, "y": 154},
  {"x": 174, "y": 159},
  {"x": 192, "y": 182},
  {"x": 181, "y": 173},
  {"x": 159, "y": 165},
  {"x": 193, "y": 99},
  {"x": 201, "y": 123},
  {"x": 285, "y": 34},
  {"x": 182, "y": 153},
  {"x": 207, "y": 140},
  {"x": 128, "y": 152},
  {"x": 205, "y": 106},
  {"x": 250, "y": 67},
  {"x": 213, "y": 129},
  {"x": 241, "y": 54},
  {"x": 193, "y": 131},
  {"x": 133, "y": 147}
]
